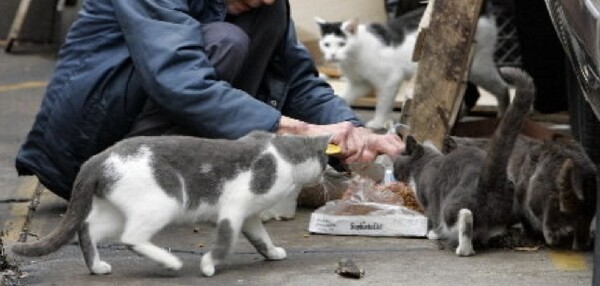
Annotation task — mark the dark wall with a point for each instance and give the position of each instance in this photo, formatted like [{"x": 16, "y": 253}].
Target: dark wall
[{"x": 39, "y": 23}]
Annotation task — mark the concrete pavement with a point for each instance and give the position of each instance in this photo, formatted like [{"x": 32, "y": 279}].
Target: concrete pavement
[{"x": 312, "y": 259}]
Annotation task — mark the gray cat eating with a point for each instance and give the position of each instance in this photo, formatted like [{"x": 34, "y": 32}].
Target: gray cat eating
[
  {"x": 135, "y": 188},
  {"x": 466, "y": 194},
  {"x": 555, "y": 188}
]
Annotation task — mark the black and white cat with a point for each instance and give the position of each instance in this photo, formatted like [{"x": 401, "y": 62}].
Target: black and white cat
[
  {"x": 466, "y": 194},
  {"x": 379, "y": 57},
  {"x": 555, "y": 188},
  {"x": 137, "y": 187}
]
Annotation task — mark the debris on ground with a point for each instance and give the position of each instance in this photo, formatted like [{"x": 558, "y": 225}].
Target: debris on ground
[
  {"x": 9, "y": 271},
  {"x": 516, "y": 239},
  {"x": 347, "y": 268},
  {"x": 513, "y": 239}
]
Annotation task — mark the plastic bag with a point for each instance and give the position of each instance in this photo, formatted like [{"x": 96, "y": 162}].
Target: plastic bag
[
  {"x": 332, "y": 188},
  {"x": 368, "y": 208}
]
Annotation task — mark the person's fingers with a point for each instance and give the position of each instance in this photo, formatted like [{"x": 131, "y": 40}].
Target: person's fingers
[
  {"x": 236, "y": 7},
  {"x": 387, "y": 144},
  {"x": 363, "y": 156},
  {"x": 360, "y": 148},
  {"x": 344, "y": 138}
]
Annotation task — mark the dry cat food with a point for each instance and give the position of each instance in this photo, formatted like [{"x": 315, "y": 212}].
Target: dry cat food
[
  {"x": 354, "y": 209},
  {"x": 394, "y": 193},
  {"x": 406, "y": 194}
]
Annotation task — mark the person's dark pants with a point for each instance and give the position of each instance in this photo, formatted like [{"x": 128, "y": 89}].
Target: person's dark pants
[{"x": 239, "y": 49}]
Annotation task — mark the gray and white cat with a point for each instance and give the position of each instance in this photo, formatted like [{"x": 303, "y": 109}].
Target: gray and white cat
[
  {"x": 466, "y": 194},
  {"x": 140, "y": 185},
  {"x": 379, "y": 57},
  {"x": 555, "y": 188}
]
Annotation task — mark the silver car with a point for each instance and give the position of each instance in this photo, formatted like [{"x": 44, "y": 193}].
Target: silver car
[{"x": 577, "y": 23}]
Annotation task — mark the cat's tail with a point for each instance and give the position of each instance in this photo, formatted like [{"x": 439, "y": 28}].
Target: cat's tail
[
  {"x": 502, "y": 142},
  {"x": 79, "y": 207}
]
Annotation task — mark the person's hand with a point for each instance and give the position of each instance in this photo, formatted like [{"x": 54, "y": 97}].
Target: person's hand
[
  {"x": 358, "y": 144},
  {"x": 236, "y": 7}
]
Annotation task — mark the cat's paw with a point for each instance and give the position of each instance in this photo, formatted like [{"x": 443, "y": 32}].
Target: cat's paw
[
  {"x": 207, "y": 265},
  {"x": 101, "y": 268},
  {"x": 173, "y": 264},
  {"x": 465, "y": 250},
  {"x": 277, "y": 253},
  {"x": 375, "y": 124},
  {"x": 432, "y": 235},
  {"x": 275, "y": 215},
  {"x": 268, "y": 215}
]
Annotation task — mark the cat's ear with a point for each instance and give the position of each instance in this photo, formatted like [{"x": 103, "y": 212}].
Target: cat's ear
[
  {"x": 449, "y": 145},
  {"x": 320, "y": 21},
  {"x": 413, "y": 148},
  {"x": 350, "y": 27},
  {"x": 569, "y": 195},
  {"x": 402, "y": 130},
  {"x": 410, "y": 145}
]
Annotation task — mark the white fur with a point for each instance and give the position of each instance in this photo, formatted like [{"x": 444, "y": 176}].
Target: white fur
[
  {"x": 370, "y": 65},
  {"x": 465, "y": 245},
  {"x": 285, "y": 208},
  {"x": 432, "y": 235}
]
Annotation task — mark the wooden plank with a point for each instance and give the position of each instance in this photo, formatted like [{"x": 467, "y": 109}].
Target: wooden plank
[
  {"x": 17, "y": 24},
  {"x": 444, "y": 57}
]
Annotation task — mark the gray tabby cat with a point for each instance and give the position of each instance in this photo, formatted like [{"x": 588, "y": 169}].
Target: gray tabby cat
[
  {"x": 466, "y": 194},
  {"x": 140, "y": 185},
  {"x": 555, "y": 189},
  {"x": 379, "y": 57}
]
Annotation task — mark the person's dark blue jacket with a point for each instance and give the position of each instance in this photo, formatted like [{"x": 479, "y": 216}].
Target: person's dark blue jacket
[{"x": 120, "y": 52}]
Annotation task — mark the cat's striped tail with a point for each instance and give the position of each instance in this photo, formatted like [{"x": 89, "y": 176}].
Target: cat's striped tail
[{"x": 79, "y": 207}]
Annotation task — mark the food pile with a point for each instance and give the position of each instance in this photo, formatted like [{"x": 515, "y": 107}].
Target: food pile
[
  {"x": 364, "y": 190},
  {"x": 372, "y": 209}
]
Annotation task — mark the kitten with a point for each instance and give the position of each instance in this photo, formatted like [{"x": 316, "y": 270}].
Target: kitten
[
  {"x": 135, "y": 188},
  {"x": 555, "y": 189},
  {"x": 379, "y": 57},
  {"x": 466, "y": 194}
]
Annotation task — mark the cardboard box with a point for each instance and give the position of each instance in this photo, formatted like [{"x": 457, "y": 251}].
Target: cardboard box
[{"x": 402, "y": 223}]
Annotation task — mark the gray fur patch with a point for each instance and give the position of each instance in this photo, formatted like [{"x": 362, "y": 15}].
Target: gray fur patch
[
  {"x": 264, "y": 172},
  {"x": 185, "y": 157},
  {"x": 299, "y": 150},
  {"x": 167, "y": 178},
  {"x": 104, "y": 182},
  {"x": 394, "y": 31},
  {"x": 203, "y": 166},
  {"x": 258, "y": 244},
  {"x": 291, "y": 151},
  {"x": 87, "y": 247},
  {"x": 224, "y": 240}
]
